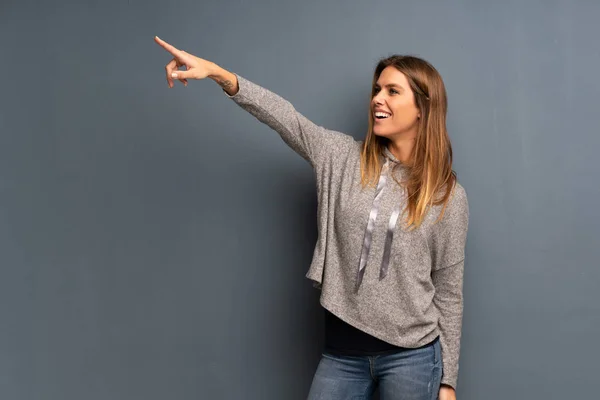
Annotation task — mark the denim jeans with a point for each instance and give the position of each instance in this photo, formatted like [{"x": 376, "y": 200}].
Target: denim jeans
[{"x": 412, "y": 374}]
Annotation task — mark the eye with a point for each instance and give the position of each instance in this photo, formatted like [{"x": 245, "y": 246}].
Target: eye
[
  {"x": 394, "y": 91},
  {"x": 376, "y": 89}
]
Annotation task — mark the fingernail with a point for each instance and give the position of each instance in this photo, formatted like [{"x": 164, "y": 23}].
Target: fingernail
[{"x": 174, "y": 75}]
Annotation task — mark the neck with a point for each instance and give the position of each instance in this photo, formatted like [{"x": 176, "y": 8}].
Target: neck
[{"x": 402, "y": 148}]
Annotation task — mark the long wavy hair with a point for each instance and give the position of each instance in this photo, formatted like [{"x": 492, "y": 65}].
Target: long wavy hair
[{"x": 430, "y": 178}]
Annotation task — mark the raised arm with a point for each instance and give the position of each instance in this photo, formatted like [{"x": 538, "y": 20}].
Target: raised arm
[{"x": 314, "y": 143}]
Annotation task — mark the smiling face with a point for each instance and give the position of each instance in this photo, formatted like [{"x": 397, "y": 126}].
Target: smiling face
[{"x": 395, "y": 114}]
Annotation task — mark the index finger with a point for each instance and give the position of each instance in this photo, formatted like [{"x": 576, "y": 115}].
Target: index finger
[{"x": 171, "y": 49}]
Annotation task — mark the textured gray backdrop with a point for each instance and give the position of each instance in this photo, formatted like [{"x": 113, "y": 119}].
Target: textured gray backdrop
[{"x": 153, "y": 242}]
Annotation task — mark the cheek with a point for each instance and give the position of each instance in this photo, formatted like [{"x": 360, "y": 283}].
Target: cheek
[{"x": 406, "y": 114}]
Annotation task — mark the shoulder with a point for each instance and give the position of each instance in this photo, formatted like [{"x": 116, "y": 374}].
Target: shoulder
[
  {"x": 456, "y": 213},
  {"x": 458, "y": 198},
  {"x": 344, "y": 147}
]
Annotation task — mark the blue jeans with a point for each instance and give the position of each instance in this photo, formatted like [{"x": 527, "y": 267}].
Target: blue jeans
[{"x": 412, "y": 374}]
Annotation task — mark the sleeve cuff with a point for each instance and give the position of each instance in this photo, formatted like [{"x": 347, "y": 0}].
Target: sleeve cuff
[{"x": 449, "y": 382}]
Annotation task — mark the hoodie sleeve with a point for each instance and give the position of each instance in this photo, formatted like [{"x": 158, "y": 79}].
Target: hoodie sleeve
[
  {"x": 314, "y": 143},
  {"x": 447, "y": 275}
]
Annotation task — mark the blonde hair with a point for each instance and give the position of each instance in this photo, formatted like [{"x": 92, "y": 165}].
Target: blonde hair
[{"x": 430, "y": 178}]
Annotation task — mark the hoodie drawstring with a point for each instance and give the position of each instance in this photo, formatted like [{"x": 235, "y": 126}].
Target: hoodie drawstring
[{"x": 366, "y": 247}]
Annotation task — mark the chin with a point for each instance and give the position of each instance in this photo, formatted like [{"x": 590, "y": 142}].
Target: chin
[{"x": 378, "y": 132}]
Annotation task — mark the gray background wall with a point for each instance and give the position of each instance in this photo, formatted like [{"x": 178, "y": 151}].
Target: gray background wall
[{"x": 153, "y": 242}]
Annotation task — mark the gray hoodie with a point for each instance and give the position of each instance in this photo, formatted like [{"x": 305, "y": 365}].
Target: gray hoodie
[{"x": 406, "y": 292}]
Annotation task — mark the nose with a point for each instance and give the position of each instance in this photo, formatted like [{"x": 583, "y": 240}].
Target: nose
[{"x": 377, "y": 99}]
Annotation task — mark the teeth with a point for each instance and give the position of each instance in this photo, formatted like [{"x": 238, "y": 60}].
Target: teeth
[{"x": 382, "y": 114}]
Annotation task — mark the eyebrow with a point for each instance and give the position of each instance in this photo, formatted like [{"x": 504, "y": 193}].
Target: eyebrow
[{"x": 391, "y": 85}]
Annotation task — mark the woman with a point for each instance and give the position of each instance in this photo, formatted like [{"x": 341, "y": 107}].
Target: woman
[{"x": 392, "y": 222}]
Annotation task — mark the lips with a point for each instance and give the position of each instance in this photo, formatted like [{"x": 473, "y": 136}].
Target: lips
[{"x": 380, "y": 114}]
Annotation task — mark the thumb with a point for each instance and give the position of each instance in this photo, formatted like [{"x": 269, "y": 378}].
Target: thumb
[{"x": 181, "y": 75}]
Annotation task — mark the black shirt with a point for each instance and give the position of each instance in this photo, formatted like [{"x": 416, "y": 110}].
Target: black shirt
[{"x": 342, "y": 338}]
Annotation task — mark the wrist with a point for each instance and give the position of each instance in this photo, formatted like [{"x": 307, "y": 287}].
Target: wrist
[
  {"x": 227, "y": 80},
  {"x": 214, "y": 71}
]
